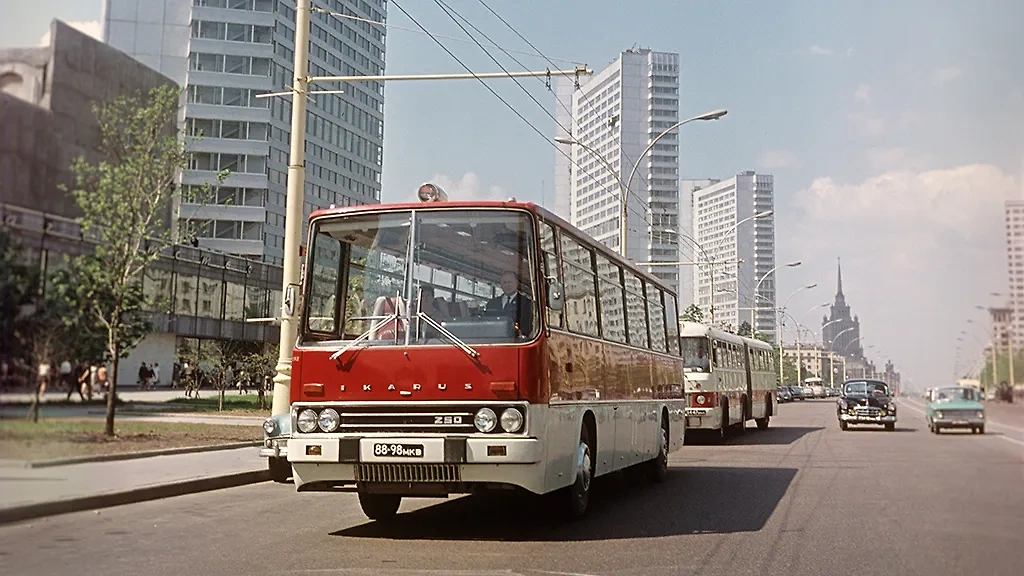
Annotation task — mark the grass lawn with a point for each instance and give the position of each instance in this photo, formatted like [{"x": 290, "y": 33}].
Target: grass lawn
[
  {"x": 65, "y": 437},
  {"x": 236, "y": 404}
]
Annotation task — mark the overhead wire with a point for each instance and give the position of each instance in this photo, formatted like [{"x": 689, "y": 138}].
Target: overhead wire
[
  {"x": 586, "y": 98},
  {"x": 489, "y": 89},
  {"x": 455, "y": 16}
]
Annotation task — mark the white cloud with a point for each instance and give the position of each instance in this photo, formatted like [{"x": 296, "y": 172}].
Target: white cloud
[
  {"x": 867, "y": 124},
  {"x": 468, "y": 187},
  {"x": 920, "y": 250},
  {"x": 946, "y": 75},
  {"x": 862, "y": 94},
  {"x": 819, "y": 51},
  {"x": 780, "y": 158},
  {"x": 91, "y": 27}
]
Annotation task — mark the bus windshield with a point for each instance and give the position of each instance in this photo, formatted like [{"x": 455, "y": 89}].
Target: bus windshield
[
  {"x": 423, "y": 277},
  {"x": 695, "y": 354}
]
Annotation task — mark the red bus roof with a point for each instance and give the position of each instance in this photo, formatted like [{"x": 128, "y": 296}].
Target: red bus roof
[{"x": 537, "y": 209}]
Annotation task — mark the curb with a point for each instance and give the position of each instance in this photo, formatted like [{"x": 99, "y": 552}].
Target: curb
[
  {"x": 31, "y": 511},
  {"x": 136, "y": 455}
]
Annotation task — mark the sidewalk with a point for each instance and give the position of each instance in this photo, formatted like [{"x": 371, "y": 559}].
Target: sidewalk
[{"x": 33, "y": 492}]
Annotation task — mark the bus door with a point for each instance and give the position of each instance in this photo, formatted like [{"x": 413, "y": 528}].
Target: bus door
[{"x": 750, "y": 381}]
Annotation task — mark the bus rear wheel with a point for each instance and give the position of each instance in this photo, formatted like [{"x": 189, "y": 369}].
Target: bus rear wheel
[{"x": 379, "y": 506}]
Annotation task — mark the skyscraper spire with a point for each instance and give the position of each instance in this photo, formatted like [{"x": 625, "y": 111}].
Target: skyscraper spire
[{"x": 839, "y": 278}]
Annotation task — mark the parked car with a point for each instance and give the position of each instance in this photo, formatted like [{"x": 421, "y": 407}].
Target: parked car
[
  {"x": 797, "y": 392},
  {"x": 955, "y": 407},
  {"x": 276, "y": 432},
  {"x": 866, "y": 402},
  {"x": 833, "y": 392},
  {"x": 783, "y": 394}
]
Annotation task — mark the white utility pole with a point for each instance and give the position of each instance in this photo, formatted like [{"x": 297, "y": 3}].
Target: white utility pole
[{"x": 296, "y": 180}]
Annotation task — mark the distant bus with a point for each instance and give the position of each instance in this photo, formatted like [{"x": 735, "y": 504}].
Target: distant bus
[
  {"x": 729, "y": 380},
  {"x": 817, "y": 385}
]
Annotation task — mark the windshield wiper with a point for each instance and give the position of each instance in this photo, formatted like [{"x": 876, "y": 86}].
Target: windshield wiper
[
  {"x": 362, "y": 337},
  {"x": 447, "y": 333}
]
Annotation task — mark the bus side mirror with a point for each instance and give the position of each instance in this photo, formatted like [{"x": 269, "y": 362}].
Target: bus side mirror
[{"x": 555, "y": 295}]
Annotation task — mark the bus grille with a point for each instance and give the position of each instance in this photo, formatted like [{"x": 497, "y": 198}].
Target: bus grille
[
  {"x": 408, "y": 473},
  {"x": 407, "y": 418}
]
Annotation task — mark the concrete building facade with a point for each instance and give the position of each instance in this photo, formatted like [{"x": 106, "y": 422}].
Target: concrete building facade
[
  {"x": 226, "y": 53},
  {"x": 734, "y": 257},
  {"x": 1014, "y": 212},
  {"x": 47, "y": 95},
  {"x": 615, "y": 115}
]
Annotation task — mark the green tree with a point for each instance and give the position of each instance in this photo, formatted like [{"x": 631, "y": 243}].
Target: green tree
[
  {"x": 788, "y": 369},
  {"x": 745, "y": 329},
  {"x": 19, "y": 292},
  {"x": 693, "y": 313},
  {"x": 126, "y": 203}
]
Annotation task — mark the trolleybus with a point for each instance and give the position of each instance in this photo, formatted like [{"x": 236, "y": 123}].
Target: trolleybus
[
  {"x": 729, "y": 380},
  {"x": 449, "y": 347}
]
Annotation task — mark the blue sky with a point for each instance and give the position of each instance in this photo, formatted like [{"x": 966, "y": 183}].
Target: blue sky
[{"x": 895, "y": 130}]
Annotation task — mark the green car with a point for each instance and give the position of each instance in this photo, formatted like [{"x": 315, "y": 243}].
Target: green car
[{"x": 955, "y": 407}]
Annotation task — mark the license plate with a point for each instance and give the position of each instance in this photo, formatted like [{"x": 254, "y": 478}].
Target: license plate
[
  {"x": 398, "y": 450},
  {"x": 959, "y": 422}
]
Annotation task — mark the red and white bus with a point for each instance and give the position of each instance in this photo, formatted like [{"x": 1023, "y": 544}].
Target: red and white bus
[
  {"x": 730, "y": 379},
  {"x": 416, "y": 374}
]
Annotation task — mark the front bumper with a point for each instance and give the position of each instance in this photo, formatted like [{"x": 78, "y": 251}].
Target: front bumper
[
  {"x": 971, "y": 422},
  {"x": 862, "y": 419},
  {"x": 704, "y": 418},
  {"x": 445, "y": 464},
  {"x": 275, "y": 448}
]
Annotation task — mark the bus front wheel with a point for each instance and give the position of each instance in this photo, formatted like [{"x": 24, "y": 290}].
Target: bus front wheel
[
  {"x": 578, "y": 494},
  {"x": 379, "y": 506},
  {"x": 658, "y": 468}
]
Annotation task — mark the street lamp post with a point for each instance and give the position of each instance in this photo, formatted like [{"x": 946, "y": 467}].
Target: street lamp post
[
  {"x": 799, "y": 357},
  {"x": 624, "y": 188},
  {"x": 831, "y": 351},
  {"x": 780, "y": 320},
  {"x": 623, "y": 229},
  {"x": 757, "y": 287}
]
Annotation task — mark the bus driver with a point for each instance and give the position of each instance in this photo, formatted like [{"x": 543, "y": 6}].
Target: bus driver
[{"x": 512, "y": 303}]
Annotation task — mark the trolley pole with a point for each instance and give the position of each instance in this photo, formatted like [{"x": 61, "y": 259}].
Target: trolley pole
[{"x": 294, "y": 223}]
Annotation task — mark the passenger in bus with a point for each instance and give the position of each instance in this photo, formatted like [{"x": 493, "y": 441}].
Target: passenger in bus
[
  {"x": 512, "y": 303},
  {"x": 436, "y": 308}
]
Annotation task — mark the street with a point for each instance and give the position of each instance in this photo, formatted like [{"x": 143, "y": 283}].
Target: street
[{"x": 800, "y": 498}]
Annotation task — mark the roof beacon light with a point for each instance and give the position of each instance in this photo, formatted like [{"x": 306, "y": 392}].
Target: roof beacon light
[{"x": 431, "y": 193}]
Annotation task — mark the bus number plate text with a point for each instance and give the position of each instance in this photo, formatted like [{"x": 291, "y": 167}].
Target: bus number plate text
[{"x": 398, "y": 450}]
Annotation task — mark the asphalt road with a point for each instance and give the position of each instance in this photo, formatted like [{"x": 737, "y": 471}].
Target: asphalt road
[{"x": 800, "y": 498}]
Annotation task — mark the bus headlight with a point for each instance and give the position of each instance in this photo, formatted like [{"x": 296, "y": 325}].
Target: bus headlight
[
  {"x": 511, "y": 420},
  {"x": 306, "y": 421},
  {"x": 700, "y": 399},
  {"x": 485, "y": 420},
  {"x": 329, "y": 420}
]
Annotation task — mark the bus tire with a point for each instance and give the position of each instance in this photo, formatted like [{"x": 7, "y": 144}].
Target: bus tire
[
  {"x": 379, "y": 507},
  {"x": 577, "y": 496},
  {"x": 762, "y": 423},
  {"x": 723, "y": 431},
  {"x": 741, "y": 428},
  {"x": 280, "y": 469},
  {"x": 658, "y": 468}
]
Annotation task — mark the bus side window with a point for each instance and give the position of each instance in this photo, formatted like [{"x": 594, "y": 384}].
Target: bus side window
[{"x": 552, "y": 272}]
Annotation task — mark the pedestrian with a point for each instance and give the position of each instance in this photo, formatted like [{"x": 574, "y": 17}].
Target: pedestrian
[
  {"x": 101, "y": 379},
  {"x": 43, "y": 377},
  {"x": 77, "y": 380},
  {"x": 156, "y": 374},
  {"x": 64, "y": 375}
]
